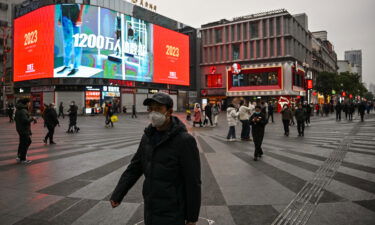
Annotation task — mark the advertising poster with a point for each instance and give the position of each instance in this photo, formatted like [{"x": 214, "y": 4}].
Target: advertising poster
[
  {"x": 84, "y": 41},
  {"x": 33, "y": 45}
]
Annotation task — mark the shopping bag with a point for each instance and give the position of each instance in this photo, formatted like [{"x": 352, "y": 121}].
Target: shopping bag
[{"x": 114, "y": 119}]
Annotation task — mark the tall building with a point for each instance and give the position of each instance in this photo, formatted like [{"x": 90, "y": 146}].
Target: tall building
[
  {"x": 260, "y": 56},
  {"x": 355, "y": 59}
]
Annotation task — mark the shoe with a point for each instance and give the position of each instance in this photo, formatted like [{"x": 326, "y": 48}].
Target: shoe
[
  {"x": 45, "y": 141},
  {"x": 26, "y": 161},
  {"x": 255, "y": 158},
  {"x": 18, "y": 160},
  {"x": 302, "y": 134},
  {"x": 287, "y": 134},
  {"x": 63, "y": 70},
  {"x": 77, "y": 130},
  {"x": 52, "y": 143},
  {"x": 72, "y": 72}
]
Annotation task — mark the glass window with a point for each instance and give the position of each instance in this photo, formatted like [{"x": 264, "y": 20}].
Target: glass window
[
  {"x": 235, "y": 51},
  {"x": 264, "y": 28},
  {"x": 227, "y": 52},
  {"x": 227, "y": 33},
  {"x": 219, "y": 35},
  {"x": 239, "y": 32},
  {"x": 254, "y": 29},
  {"x": 209, "y": 36},
  {"x": 271, "y": 27},
  {"x": 279, "y": 46},
  {"x": 214, "y": 80},
  {"x": 214, "y": 56},
  {"x": 245, "y": 31},
  {"x": 278, "y": 26},
  {"x": 272, "y": 47},
  {"x": 233, "y": 32},
  {"x": 221, "y": 53},
  {"x": 258, "y": 48},
  {"x": 265, "y": 53},
  {"x": 252, "y": 49},
  {"x": 245, "y": 44}
]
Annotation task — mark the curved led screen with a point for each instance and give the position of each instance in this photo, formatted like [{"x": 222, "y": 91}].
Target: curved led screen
[{"x": 83, "y": 41}]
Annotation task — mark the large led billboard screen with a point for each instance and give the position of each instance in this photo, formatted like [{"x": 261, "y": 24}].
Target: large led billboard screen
[{"x": 83, "y": 41}]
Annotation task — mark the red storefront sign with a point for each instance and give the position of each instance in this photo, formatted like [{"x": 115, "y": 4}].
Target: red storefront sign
[
  {"x": 92, "y": 95},
  {"x": 309, "y": 84}
]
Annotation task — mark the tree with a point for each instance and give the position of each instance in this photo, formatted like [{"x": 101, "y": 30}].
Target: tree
[
  {"x": 325, "y": 83},
  {"x": 369, "y": 96},
  {"x": 350, "y": 83}
]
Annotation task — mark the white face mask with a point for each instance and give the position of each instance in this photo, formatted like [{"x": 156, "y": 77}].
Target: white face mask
[{"x": 157, "y": 119}]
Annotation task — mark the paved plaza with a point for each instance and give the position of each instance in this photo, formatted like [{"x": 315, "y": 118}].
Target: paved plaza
[{"x": 324, "y": 178}]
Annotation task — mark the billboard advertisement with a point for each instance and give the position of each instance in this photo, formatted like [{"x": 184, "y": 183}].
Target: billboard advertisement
[{"x": 93, "y": 42}]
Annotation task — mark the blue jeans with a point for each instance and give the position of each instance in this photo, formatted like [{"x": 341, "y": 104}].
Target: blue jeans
[
  {"x": 69, "y": 30},
  {"x": 231, "y": 132},
  {"x": 245, "y": 133}
]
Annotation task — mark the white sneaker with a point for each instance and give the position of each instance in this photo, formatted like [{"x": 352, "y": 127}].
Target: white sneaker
[
  {"x": 18, "y": 159},
  {"x": 26, "y": 161},
  {"x": 232, "y": 139}
]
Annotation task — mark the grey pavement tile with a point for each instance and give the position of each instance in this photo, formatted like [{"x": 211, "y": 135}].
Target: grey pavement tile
[
  {"x": 211, "y": 193},
  {"x": 220, "y": 214},
  {"x": 27, "y": 221},
  {"x": 205, "y": 147},
  {"x": 368, "y": 204},
  {"x": 253, "y": 214},
  {"x": 74, "y": 212},
  {"x": 104, "y": 214},
  {"x": 8, "y": 219},
  {"x": 54, "y": 209},
  {"x": 137, "y": 216},
  {"x": 73, "y": 184},
  {"x": 343, "y": 213}
]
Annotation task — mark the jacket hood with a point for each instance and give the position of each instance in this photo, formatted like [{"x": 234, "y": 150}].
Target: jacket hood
[
  {"x": 177, "y": 127},
  {"x": 230, "y": 109},
  {"x": 21, "y": 106}
]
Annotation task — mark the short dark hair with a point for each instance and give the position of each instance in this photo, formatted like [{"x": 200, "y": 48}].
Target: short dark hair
[{"x": 258, "y": 107}]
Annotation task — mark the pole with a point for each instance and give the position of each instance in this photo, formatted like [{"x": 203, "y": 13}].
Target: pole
[{"x": 5, "y": 51}]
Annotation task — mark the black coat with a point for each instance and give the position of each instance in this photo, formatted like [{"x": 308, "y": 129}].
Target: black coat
[
  {"x": 73, "y": 113},
  {"x": 50, "y": 117},
  {"x": 361, "y": 108},
  {"x": 258, "y": 127},
  {"x": 23, "y": 120},
  {"x": 172, "y": 186}
]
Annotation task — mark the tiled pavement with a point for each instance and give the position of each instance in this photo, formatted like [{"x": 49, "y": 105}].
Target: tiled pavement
[{"x": 70, "y": 183}]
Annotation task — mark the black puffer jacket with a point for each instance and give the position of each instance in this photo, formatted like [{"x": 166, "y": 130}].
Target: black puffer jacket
[
  {"x": 50, "y": 117},
  {"x": 172, "y": 186},
  {"x": 23, "y": 120}
]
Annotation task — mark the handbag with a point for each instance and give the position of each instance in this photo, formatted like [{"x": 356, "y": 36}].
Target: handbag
[{"x": 114, "y": 118}]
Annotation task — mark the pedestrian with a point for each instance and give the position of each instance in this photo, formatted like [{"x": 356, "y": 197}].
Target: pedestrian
[
  {"x": 361, "y": 110},
  {"x": 300, "y": 118},
  {"x": 61, "y": 111},
  {"x": 197, "y": 115},
  {"x": 368, "y": 107},
  {"x": 51, "y": 120},
  {"x": 338, "y": 109},
  {"x": 345, "y": 108},
  {"x": 10, "y": 112},
  {"x": 258, "y": 122},
  {"x": 215, "y": 113},
  {"x": 232, "y": 117},
  {"x": 208, "y": 113},
  {"x": 293, "y": 110},
  {"x": 23, "y": 127},
  {"x": 321, "y": 110},
  {"x": 308, "y": 113},
  {"x": 351, "y": 110},
  {"x": 73, "y": 114},
  {"x": 326, "y": 109},
  {"x": 264, "y": 108},
  {"x": 108, "y": 115},
  {"x": 317, "y": 107},
  {"x": 286, "y": 116},
  {"x": 43, "y": 113},
  {"x": 134, "y": 112},
  {"x": 168, "y": 157},
  {"x": 270, "y": 111},
  {"x": 244, "y": 115}
]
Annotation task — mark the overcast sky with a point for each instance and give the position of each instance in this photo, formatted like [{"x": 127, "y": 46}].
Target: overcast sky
[{"x": 350, "y": 23}]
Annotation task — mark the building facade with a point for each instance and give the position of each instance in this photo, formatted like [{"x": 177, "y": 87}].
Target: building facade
[
  {"x": 90, "y": 93},
  {"x": 258, "y": 57},
  {"x": 344, "y": 66},
  {"x": 355, "y": 59}
]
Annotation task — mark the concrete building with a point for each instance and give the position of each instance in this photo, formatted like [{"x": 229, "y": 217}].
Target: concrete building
[
  {"x": 346, "y": 66},
  {"x": 355, "y": 59},
  {"x": 256, "y": 56}
]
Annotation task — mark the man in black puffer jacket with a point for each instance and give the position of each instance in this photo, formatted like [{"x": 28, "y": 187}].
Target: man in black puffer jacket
[{"x": 168, "y": 157}]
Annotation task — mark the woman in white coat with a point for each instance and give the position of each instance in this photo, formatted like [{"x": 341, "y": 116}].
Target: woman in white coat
[{"x": 232, "y": 118}]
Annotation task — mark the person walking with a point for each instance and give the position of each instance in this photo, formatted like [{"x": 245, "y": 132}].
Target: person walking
[
  {"x": 351, "y": 111},
  {"x": 51, "y": 120},
  {"x": 270, "y": 111},
  {"x": 300, "y": 118},
  {"x": 134, "y": 112},
  {"x": 258, "y": 122},
  {"x": 308, "y": 113},
  {"x": 168, "y": 157},
  {"x": 197, "y": 116},
  {"x": 317, "y": 107},
  {"x": 23, "y": 127},
  {"x": 208, "y": 113},
  {"x": 232, "y": 116},
  {"x": 61, "y": 111},
  {"x": 10, "y": 112},
  {"x": 286, "y": 116},
  {"x": 338, "y": 109},
  {"x": 293, "y": 110},
  {"x": 108, "y": 115},
  {"x": 73, "y": 114},
  {"x": 215, "y": 113},
  {"x": 361, "y": 110},
  {"x": 244, "y": 115},
  {"x": 345, "y": 108}
]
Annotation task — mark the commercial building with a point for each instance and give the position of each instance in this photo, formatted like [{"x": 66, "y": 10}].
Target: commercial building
[
  {"x": 91, "y": 52},
  {"x": 355, "y": 59},
  {"x": 260, "y": 56}
]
